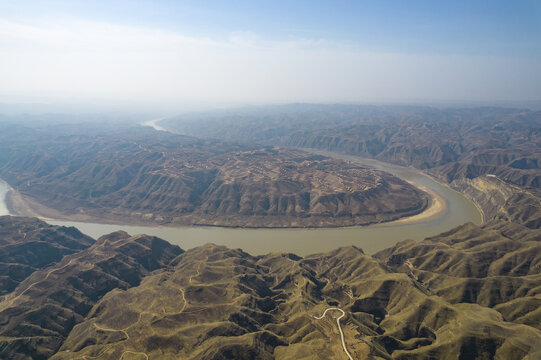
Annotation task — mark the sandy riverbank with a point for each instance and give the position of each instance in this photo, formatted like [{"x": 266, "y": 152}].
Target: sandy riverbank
[
  {"x": 26, "y": 206},
  {"x": 438, "y": 204},
  {"x": 18, "y": 204},
  {"x": 437, "y": 207}
]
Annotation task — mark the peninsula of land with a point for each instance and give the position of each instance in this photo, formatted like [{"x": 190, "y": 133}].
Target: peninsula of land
[{"x": 141, "y": 176}]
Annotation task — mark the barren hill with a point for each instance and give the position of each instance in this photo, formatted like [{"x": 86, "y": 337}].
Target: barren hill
[
  {"x": 28, "y": 244},
  {"x": 470, "y": 293},
  {"x": 40, "y": 312},
  {"x": 137, "y": 175},
  {"x": 456, "y": 145}
]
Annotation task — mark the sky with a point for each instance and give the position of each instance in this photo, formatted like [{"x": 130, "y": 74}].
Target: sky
[{"x": 181, "y": 53}]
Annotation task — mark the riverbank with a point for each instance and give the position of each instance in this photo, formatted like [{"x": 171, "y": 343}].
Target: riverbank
[
  {"x": 23, "y": 205},
  {"x": 435, "y": 220},
  {"x": 20, "y": 205},
  {"x": 4, "y": 189},
  {"x": 371, "y": 239},
  {"x": 154, "y": 124},
  {"x": 437, "y": 207}
]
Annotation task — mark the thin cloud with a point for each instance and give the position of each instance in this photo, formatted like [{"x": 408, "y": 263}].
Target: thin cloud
[{"x": 99, "y": 60}]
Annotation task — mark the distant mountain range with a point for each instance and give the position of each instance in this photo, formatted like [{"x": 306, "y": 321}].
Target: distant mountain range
[
  {"x": 473, "y": 292},
  {"x": 454, "y": 145}
]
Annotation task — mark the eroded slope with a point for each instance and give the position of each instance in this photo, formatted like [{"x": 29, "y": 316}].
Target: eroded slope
[
  {"x": 144, "y": 176},
  {"x": 29, "y": 244},
  {"x": 459, "y": 146},
  {"x": 407, "y": 303},
  {"x": 40, "y": 312}
]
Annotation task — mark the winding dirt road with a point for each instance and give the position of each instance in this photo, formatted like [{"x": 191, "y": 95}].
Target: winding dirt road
[{"x": 339, "y": 327}]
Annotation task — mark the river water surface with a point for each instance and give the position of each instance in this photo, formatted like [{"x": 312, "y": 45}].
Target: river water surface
[{"x": 306, "y": 241}]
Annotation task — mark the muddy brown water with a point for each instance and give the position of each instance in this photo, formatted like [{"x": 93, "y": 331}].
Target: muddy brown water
[{"x": 371, "y": 238}]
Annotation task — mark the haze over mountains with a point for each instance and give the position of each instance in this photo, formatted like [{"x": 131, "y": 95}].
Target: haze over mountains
[
  {"x": 473, "y": 292},
  {"x": 454, "y": 143},
  {"x": 138, "y": 175},
  {"x": 377, "y": 164},
  {"x": 463, "y": 147}
]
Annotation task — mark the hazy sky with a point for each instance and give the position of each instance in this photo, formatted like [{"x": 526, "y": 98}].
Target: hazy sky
[{"x": 178, "y": 52}]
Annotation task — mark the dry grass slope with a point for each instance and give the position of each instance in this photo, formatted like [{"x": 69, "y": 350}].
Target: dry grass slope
[
  {"x": 413, "y": 301},
  {"x": 143, "y": 176}
]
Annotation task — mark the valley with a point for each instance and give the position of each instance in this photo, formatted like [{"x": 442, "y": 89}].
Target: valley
[
  {"x": 455, "y": 145},
  {"x": 372, "y": 238},
  {"x": 420, "y": 281},
  {"x": 248, "y": 180},
  {"x": 472, "y": 291}
]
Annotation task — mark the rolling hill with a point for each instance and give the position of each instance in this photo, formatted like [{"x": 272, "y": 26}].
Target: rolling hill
[{"x": 470, "y": 293}]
